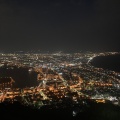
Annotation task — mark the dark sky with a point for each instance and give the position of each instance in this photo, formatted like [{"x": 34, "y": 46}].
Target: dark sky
[{"x": 53, "y": 25}]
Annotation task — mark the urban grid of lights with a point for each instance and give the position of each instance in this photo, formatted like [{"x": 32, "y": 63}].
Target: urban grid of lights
[{"x": 60, "y": 77}]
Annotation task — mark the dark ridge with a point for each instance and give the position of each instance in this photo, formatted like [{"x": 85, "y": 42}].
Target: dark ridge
[{"x": 95, "y": 111}]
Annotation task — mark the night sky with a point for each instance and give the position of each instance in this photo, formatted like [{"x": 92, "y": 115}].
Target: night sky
[{"x": 66, "y": 25}]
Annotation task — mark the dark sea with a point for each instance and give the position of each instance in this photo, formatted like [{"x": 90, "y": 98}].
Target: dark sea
[
  {"x": 110, "y": 62},
  {"x": 22, "y": 76}
]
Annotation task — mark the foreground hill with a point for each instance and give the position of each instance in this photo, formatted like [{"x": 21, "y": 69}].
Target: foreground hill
[{"x": 95, "y": 111}]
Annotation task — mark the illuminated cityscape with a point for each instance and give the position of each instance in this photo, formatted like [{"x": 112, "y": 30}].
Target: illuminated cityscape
[
  {"x": 60, "y": 59},
  {"x": 61, "y": 78}
]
